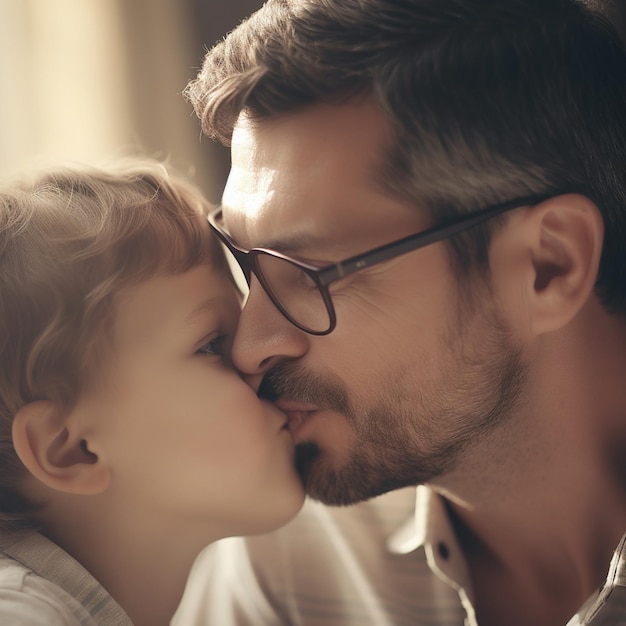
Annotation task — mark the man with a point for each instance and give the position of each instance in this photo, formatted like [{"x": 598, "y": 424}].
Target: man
[{"x": 428, "y": 198}]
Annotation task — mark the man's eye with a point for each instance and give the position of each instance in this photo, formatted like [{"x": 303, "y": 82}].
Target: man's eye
[{"x": 213, "y": 347}]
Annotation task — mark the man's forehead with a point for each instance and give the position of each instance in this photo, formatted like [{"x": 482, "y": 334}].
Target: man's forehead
[
  {"x": 352, "y": 133},
  {"x": 300, "y": 168},
  {"x": 311, "y": 184}
]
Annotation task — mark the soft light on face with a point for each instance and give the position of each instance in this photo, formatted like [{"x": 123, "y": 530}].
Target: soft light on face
[
  {"x": 407, "y": 383},
  {"x": 185, "y": 436}
]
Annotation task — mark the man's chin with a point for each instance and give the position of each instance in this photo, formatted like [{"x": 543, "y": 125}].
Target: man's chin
[
  {"x": 306, "y": 455},
  {"x": 330, "y": 486}
]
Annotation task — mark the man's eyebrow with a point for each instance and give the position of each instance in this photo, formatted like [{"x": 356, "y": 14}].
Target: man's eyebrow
[{"x": 294, "y": 243}]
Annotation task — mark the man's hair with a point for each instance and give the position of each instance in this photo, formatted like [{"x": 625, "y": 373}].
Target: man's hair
[
  {"x": 487, "y": 100},
  {"x": 70, "y": 239}
]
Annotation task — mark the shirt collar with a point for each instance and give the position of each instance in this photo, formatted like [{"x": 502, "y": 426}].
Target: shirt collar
[
  {"x": 608, "y": 605},
  {"x": 49, "y": 561},
  {"x": 430, "y": 528}
]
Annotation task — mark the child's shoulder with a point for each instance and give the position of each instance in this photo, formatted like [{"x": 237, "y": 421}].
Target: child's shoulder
[
  {"x": 29, "y": 599},
  {"x": 35, "y": 591}
]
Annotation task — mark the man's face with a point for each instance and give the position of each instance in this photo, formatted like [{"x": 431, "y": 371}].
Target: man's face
[{"x": 415, "y": 371}]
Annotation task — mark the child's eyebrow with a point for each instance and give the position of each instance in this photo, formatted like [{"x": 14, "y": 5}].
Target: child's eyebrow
[{"x": 204, "y": 306}]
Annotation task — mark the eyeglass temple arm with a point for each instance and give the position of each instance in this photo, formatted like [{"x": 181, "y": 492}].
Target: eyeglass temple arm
[{"x": 425, "y": 238}]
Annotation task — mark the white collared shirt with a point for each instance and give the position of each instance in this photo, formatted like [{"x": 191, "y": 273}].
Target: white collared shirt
[
  {"x": 41, "y": 584},
  {"x": 392, "y": 561}
]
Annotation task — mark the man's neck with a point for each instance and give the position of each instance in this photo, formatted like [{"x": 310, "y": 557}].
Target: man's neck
[
  {"x": 541, "y": 506},
  {"x": 518, "y": 581}
]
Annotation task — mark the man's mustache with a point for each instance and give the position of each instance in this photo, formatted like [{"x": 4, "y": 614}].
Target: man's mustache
[{"x": 291, "y": 381}]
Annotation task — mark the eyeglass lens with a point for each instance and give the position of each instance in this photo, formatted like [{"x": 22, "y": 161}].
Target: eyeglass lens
[{"x": 294, "y": 290}]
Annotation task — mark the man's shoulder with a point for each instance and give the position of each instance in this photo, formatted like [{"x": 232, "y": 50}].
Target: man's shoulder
[
  {"x": 330, "y": 566},
  {"x": 318, "y": 527}
]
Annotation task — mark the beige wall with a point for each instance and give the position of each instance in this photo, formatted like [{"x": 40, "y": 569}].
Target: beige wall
[{"x": 85, "y": 80}]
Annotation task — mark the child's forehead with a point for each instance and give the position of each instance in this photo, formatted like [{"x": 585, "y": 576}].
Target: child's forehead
[
  {"x": 172, "y": 303},
  {"x": 212, "y": 277}
]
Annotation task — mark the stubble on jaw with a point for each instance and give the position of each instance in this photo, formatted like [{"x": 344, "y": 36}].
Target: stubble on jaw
[{"x": 409, "y": 436}]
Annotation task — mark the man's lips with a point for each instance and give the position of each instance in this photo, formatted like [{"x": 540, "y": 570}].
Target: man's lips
[{"x": 296, "y": 412}]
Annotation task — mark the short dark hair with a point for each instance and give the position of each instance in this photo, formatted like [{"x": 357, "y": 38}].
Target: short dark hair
[{"x": 487, "y": 99}]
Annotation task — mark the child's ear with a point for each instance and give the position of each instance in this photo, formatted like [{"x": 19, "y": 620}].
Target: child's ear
[
  {"x": 558, "y": 244},
  {"x": 52, "y": 446}
]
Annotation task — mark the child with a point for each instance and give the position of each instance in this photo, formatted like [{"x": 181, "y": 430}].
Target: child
[{"x": 127, "y": 440}]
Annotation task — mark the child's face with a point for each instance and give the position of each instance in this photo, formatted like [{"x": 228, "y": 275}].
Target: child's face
[{"x": 183, "y": 434}]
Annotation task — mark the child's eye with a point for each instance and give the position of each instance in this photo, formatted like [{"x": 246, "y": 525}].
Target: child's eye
[{"x": 213, "y": 347}]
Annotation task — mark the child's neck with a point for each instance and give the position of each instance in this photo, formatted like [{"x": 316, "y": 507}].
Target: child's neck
[{"x": 143, "y": 565}]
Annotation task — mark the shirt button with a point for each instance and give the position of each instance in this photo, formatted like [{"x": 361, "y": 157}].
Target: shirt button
[{"x": 442, "y": 548}]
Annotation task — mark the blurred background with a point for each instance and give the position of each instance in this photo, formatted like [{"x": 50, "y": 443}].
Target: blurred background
[{"x": 86, "y": 80}]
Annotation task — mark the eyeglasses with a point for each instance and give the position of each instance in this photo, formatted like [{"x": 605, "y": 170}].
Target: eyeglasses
[{"x": 300, "y": 291}]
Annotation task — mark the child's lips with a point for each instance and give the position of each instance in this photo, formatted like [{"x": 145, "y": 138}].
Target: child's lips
[{"x": 276, "y": 413}]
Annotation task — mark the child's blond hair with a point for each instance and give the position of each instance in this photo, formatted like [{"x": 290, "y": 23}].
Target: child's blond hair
[{"x": 69, "y": 240}]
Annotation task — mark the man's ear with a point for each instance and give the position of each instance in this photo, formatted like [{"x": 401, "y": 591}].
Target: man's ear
[
  {"x": 52, "y": 446},
  {"x": 556, "y": 246}
]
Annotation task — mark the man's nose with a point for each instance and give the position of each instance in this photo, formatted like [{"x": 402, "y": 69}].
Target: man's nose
[{"x": 264, "y": 336}]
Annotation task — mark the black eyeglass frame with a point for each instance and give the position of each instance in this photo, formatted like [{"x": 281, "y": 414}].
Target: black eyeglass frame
[{"x": 324, "y": 276}]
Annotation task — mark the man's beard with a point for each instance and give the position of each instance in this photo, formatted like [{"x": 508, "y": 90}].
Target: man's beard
[{"x": 407, "y": 437}]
